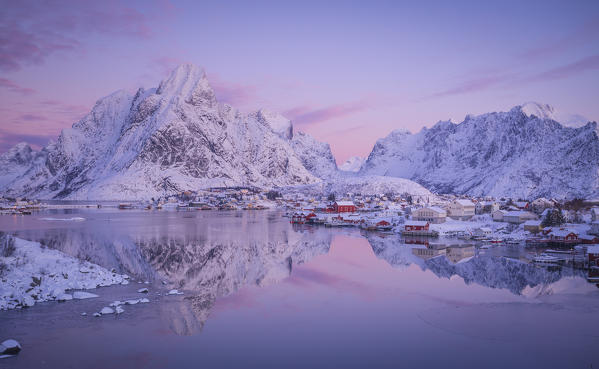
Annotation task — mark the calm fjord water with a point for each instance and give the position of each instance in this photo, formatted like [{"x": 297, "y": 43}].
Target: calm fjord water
[{"x": 262, "y": 293}]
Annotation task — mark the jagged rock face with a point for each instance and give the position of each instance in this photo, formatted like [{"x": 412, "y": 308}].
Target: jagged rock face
[
  {"x": 499, "y": 154},
  {"x": 15, "y": 162},
  {"x": 352, "y": 164},
  {"x": 315, "y": 156},
  {"x": 159, "y": 141}
]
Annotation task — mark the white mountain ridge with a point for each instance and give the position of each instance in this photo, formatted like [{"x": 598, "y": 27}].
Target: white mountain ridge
[
  {"x": 352, "y": 164},
  {"x": 166, "y": 140},
  {"x": 521, "y": 153},
  {"x": 178, "y": 137}
]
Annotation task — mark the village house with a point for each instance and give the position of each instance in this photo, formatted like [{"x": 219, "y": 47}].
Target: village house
[
  {"x": 593, "y": 255},
  {"x": 517, "y": 217},
  {"x": 461, "y": 209},
  {"x": 482, "y": 232},
  {"x": 344, "y": 207},
  {"x": 532, "y": 226},
  {"x": 498, "y": 215},
  {"x": 563, "y": 236},
  {"x": 415, "y": 225},
  {"x": 430, "y": 214},
  {"x": 588, "y": 239},
  {"x": 486, "y": 207}
]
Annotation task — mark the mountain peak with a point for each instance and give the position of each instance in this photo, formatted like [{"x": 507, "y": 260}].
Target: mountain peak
[
  {"x": 543, "y": 111},
  {"x": 189, "y": 81}
]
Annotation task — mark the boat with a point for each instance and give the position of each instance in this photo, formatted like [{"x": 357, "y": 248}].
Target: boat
[{"x": 124, "y": 206}]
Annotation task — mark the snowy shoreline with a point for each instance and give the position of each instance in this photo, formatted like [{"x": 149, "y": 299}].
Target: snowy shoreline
[{"x": 31, "y": 273}]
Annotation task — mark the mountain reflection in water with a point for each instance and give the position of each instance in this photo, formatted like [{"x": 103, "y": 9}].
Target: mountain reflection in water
[{"x": 211, "y": 255}]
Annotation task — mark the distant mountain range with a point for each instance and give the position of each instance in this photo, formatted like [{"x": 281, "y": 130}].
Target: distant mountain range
[
  {"x": 516, "y": 153},
  {"x": 178, "y": 137}
]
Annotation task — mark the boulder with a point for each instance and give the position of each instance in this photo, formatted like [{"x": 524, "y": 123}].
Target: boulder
[
  {"x": 10, "y": 347},
  {"x": 106, "y": 310}
]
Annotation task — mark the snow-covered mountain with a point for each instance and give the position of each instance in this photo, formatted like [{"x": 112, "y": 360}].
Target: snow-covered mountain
[
  {"x": 520, "y": 153},
  {"x": 164, "y": 140},
  {"x": 352, "y": 164}
]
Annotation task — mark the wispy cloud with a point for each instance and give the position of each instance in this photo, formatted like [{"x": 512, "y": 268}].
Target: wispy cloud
[
  {"x": 306, "y": 115},
  {"x": 504, "y": 80},
  {"x": 474, "y": 85},
  {"x": 31, "y": 31},
  {"x": 15, "y": 88},
  {"x": 567, "y": 70},
  {"x": 233, "y": 93}
]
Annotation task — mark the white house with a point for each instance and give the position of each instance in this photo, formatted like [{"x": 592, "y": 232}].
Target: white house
[
  {"x": 483, "y": 207},
  {"x": 430, "y": 214},
  {"x": 518, "y": 217},
  {"x": 498, "y": 215},
  {"x": 482, "y": 232},
  {"x": 594, "y": 228},
  {"x": 461, "y": 209}
]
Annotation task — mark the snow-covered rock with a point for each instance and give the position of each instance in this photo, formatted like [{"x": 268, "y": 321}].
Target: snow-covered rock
[
  {"x": 10, "y": 347},
  {"x": 106, "y": 311},
  {"x": 315, "y": 156},
  {"x": 352, "y": 164},
  {"x": 143, "y": 290},
  {"x": 15, "y": 162},
  {"x": 119, "y": 310},
  {"x": 161, "y": 140},
  {"x": 80, "y": 295},
  {"x": 64, "y": 297},
  {"x": 521, "y": 153},
  {"x": 34, "y": 274}
]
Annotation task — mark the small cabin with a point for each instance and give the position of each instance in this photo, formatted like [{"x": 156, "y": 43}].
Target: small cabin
[{"x": 344, "y": 207}]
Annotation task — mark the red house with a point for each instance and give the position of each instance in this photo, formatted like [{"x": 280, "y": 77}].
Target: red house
[
  {"x": 415, "y": 225},
  {"x": 344, "y": 207}
]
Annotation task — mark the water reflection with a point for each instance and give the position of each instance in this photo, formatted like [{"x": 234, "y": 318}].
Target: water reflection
[{"x": 213, "y": 255}]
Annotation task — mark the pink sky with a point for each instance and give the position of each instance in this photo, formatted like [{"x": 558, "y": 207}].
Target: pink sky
[{"x": 347, "y": 74}]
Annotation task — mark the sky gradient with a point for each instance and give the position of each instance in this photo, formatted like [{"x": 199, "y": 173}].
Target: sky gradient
[{"x": 346, "y": 72}]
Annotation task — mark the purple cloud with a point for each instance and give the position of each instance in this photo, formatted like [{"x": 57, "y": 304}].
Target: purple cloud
[
  {"x": 564, "y": 71},
  {"x": 31, "y": 31},
  {"x": 306, "y": 115},
  {"x": 474, "y": 85},
  {"x": 233, "y": 93},
  {"x": 13, "y": 87}
]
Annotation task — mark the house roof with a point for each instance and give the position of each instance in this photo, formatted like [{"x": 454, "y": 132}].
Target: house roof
[
  {"x": 562, "y": 232},
  {"x": 593, "y": 249},
  {"x": 464, "y": 202},
  {"x": 534, "y": 223},
  {"x": 345, "y": 203}
]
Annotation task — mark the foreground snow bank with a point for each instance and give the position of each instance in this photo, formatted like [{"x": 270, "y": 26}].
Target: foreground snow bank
[{"x": 31, "y": 273}]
